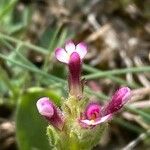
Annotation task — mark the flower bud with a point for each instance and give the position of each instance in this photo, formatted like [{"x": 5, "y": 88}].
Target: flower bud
[
  {"x": 74, "y": 75},
  {"x": 118, "y": 100},
  {"x": 47, "y": 109}
]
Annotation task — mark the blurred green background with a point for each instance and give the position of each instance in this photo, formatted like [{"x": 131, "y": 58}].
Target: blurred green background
[{"x": 118, "y": 37}]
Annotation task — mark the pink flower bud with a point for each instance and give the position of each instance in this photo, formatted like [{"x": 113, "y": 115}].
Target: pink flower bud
[
  {"x": 74, "y": 75},
  {"x": 47, "y": 109},
  {"x": 118, "y": 100}
]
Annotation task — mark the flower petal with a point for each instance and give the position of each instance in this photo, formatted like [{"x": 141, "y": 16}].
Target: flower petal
[
  {"x": 62, "y": 55},
  {"x": 81, "y": 49},
  {"x": 70, "y": 47},
  {"x": 93, "y": 111},
  {"x": 97, "y": 121}
]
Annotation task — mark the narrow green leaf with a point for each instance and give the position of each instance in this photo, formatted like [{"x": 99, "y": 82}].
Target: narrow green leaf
[
  {"x": 118, "y": 72},
  {"x": 113, "y": 78}
]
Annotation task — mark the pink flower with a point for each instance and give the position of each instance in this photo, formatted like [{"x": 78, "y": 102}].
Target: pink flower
[
  {"x": 95, "y": 114},
  {"x": 73, "y": 55},
  {"x": 53, "y": 114},
  {"x": 63, "y": 55},
  {"x": 93, "y": 111}
]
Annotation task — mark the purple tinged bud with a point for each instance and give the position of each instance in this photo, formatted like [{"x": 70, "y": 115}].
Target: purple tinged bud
[
  {"x": 47, "y": 109},
  {"x": 75, "y": 64},
  {"x": 118, "y": 100},
  {"x": 74, "y": 75}
]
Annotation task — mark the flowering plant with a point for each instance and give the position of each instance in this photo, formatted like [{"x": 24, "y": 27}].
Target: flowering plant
[{"x": 80, "y": 122}]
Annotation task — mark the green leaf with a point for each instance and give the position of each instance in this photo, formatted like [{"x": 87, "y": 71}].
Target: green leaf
[{"x": 31, "y": 127}]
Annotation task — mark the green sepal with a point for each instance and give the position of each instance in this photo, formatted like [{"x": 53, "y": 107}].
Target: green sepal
[
  {"x": 80, "y": 138},
  {"x": 53, "y": 137},
  {"x": 88, "y": 137}
]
